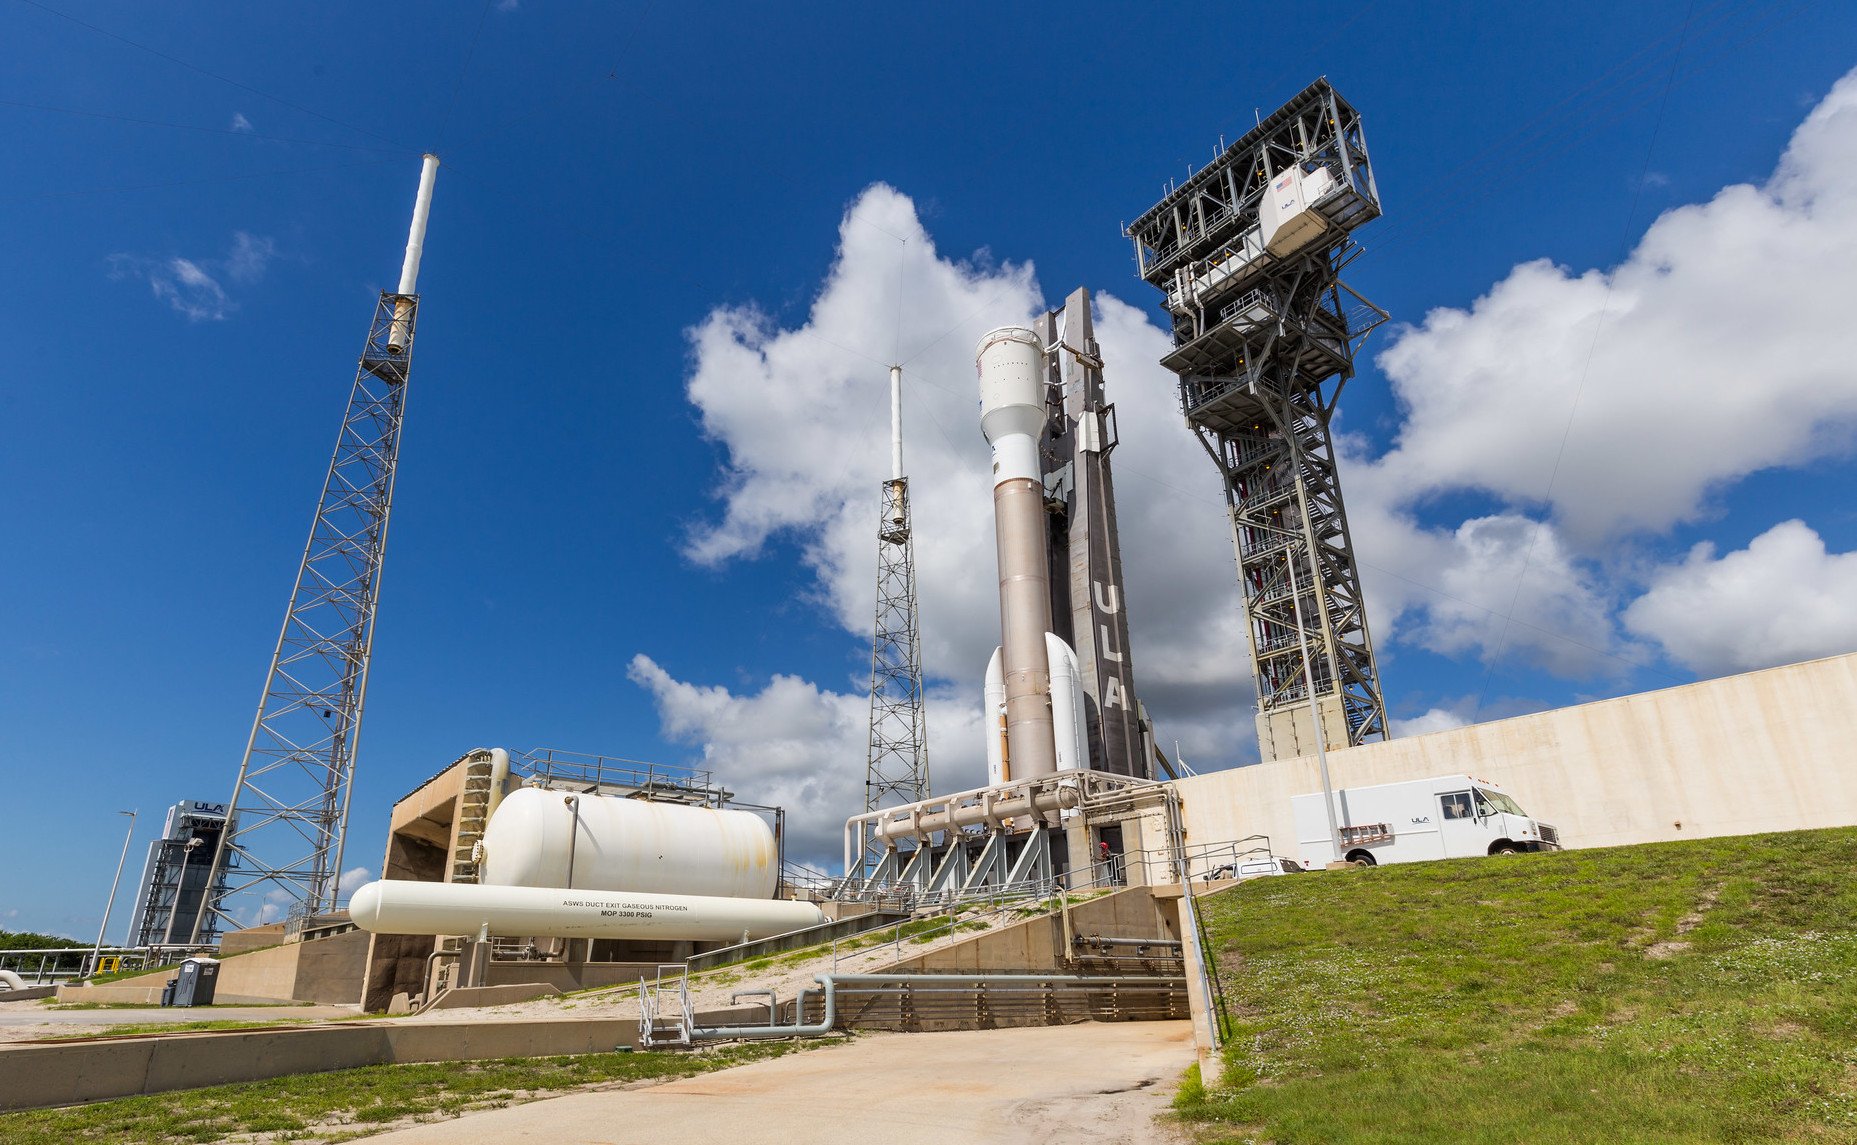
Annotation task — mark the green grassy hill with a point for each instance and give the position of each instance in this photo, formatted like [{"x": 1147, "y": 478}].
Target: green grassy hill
[{"x": 1699, "y": 991}]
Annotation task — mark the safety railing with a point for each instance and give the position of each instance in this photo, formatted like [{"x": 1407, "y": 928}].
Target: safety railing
[
  {"x": 960, "y": 1000},
  {"x": 660, "y": 1025},
  {"x": 50, "y": 965}
]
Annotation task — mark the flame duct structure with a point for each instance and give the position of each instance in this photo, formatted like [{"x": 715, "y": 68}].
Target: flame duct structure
[
  {"x": 1012, "y": 415},
  {"x": 395, "y": 906}
]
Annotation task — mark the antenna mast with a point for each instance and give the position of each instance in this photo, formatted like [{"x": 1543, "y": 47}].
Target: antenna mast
[
  {"x": 289, "y": 811},
  {"x": 898, "y": 761}
]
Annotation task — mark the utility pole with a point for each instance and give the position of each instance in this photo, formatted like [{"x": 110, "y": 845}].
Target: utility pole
[
  {"x": 97, "y": 950},
  {"x": 286, "y": 823}
]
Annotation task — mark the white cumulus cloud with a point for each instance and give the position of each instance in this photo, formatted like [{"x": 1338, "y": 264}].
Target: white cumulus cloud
[
  {"x": 1782, "y": 599},
  {"x": 1703, "y": 357},
  {"x": 196, "y": 288},
  {"x": 803, "y": 414},
  {"x": 801, "y": 747},
  {"x": 1428, "y": 721}
]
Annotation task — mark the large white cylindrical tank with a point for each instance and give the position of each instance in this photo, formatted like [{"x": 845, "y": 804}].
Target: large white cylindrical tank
[
  {"x": 395, "y": 906},
  {"x": 620, "y": 844}
]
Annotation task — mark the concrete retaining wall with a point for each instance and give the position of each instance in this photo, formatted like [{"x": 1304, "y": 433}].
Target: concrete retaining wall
[
  {"x": 73, "y": 1072},
  {"x": 1038, "y": 943},
  {"x": 465, "y": 997},
  {"x": 1764, "y": 751}
]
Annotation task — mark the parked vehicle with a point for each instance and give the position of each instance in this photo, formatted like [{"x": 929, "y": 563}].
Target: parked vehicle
[
  {"x": 1254, "y": 866},
  {"x": 1447, "y": 817}
]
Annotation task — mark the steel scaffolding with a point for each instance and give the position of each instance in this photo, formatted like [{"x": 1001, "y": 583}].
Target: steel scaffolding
[
  {"x": 898, "y": 761},
  {"x": 290, "y": 806},
  {"x": 1265, "y": 336}
]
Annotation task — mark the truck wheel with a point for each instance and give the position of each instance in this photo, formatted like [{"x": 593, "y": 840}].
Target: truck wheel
[
  {"x": 1505, "y": 849},
  {"x": 1361, "y": 859}
]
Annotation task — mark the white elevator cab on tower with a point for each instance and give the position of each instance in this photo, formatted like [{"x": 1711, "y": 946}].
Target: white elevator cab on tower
[{"x": 1286, "y": 218}]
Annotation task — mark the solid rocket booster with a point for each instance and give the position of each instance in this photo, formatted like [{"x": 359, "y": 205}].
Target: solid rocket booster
[
  {"x": 397, "y": 906},
  {"x": 1012, "y": 415}
]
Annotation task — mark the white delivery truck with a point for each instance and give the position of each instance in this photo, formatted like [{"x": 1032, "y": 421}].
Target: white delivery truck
[{"x": 1447, "y": 817}]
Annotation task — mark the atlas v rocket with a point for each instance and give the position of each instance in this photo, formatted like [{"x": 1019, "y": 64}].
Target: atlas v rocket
[{"x": 1060, "y": 569}]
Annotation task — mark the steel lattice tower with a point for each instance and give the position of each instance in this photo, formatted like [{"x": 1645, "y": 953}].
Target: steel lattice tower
[
  {"x": 289, "y": 809},
  {"x": 898, "y": 762},
  {"x": 1249, "y": 252}
]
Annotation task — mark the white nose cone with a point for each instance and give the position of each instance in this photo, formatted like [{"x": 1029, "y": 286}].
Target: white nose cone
[{"x": 1012, "y": 399}]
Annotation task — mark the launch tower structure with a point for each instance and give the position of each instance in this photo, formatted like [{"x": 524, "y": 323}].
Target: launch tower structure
[
  {"x": 1089, "y": 610},
  {"x": 1249, "y": 253},
  {"x": 898, "y": 769},
  {"x": 289, "y": 810}
]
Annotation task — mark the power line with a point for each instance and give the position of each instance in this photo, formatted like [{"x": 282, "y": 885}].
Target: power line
[
  {"x": 463, "y": 69},
  {"x": 232, "y": 131},
  {"x": 196, "y": 68},
  {"x": 83, "y": 191}
]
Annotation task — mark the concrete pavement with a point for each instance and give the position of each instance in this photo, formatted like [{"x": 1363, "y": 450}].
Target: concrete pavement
[{"x": 1047, "y": 1085}]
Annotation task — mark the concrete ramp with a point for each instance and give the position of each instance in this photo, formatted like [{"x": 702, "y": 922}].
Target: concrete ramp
[{"x": 1067, "y": 1085}]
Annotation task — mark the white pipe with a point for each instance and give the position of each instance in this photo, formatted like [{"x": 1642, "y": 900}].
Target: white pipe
[
  {"x": 97, "y": 950},
  {"x": 11, "y": 980},
  {"x": 416, "y": 237},
  {"x": 1315, "y": 711},
  {"x": 499, "y": 779},
  {"x": 992, "y": 808},
  {"x": 395, "y": 906},
  {"x": 896, "y": 423}
]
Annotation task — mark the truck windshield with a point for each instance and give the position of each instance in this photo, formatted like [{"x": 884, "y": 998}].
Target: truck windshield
[{"x": 1497, "y": 801}]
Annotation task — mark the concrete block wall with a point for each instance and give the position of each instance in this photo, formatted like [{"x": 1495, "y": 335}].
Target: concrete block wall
[
  {"x": 1772, "y": 750},
  {"x": 1038, "y": 943}
]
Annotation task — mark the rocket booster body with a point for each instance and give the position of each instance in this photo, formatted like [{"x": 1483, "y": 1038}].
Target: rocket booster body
[{"x": 1012, "y": 416}]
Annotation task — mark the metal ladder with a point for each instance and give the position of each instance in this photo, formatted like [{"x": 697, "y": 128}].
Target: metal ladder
[{"x": 473, "y": 813}]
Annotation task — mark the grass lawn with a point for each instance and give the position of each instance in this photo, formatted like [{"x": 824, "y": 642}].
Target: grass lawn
[
  {"x": 1699, "y": 991},
  {"x": 347, "y": 1104}
]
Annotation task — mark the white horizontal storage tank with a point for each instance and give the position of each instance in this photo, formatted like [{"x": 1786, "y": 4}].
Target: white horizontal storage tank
[{"x": 617, "y": 844}]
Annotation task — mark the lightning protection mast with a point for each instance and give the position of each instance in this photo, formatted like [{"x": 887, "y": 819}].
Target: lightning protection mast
[
  {"x": 898, "y": 761},
  {"x": 289, "y": 810},
  {"x": 1249, "y": 253}
]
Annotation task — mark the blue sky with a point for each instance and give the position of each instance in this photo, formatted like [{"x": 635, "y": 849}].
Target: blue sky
[{"x": 671, "y": 252}]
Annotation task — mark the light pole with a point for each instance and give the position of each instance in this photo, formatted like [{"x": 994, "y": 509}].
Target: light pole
[
  {"x": 180, "y": 888},
  {"x": 111, "y": 904},
  {"x": 1315, "y": 713}
]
